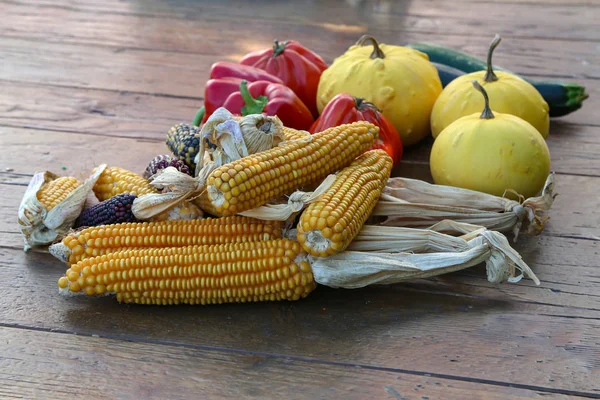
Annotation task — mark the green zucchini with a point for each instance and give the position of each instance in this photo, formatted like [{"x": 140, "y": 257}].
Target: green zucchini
[{"x": 563, "y": 98}]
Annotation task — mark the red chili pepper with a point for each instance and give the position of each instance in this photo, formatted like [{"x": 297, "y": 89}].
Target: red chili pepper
[
  {"x": 345, "y": 109},
  {"x": 271, "y": 99},
  {"x": 299, "y": 68}
]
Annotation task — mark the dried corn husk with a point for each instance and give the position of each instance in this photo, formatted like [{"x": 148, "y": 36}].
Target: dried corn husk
[
  {"x": 176, "y": 187},
  {"x": 225, "y": 138},
  {"x": 387, "y": 264},
  {"x": 297, "y": 201},
  {"x": 413, "y": 203},
  {"x": 40, "y": 226}
]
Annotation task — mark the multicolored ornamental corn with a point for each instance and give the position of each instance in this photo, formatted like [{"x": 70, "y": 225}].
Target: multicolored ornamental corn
[
  {"x": 96, "y": 241},
  {"x": 161, "y": 162},
  {"x": 116, "y": 180},
  {"x": 250, "y": 182},
  {"x": 328, "y": 226},
  {"x": 211, "y": 274},
  {"x": 184, "y": 142},
  {"x": 115, "y": 210},
  {"x": 56, "y": 191}
]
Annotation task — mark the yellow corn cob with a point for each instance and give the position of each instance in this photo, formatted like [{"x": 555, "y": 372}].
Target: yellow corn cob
[
  {"x": 327, "y": 226},
  {"x": 252, "y": 181},
  {"x": 116, "y": 180},
  {"x": 294, "y": 134},
  {"x": 99, "y": 240},
  {"x": 213, "y": 274},
  {"x": 290, "y": 134},
  {"x": 56, "y": 191}
]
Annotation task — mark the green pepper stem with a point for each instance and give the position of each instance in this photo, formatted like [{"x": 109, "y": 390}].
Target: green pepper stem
[
  {"x": 487, "y": 111},
  {"x": 278, "y": 48},
  {"x": 253, "y": 105},
  {"x": 199, "y": 117},
  {"x": 377, "y": 52},
  {"x": 490, "y": 76}
]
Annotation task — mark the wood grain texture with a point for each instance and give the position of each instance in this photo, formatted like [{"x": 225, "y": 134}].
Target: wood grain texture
[
  {"x": 202, "y": 34},
  {"x": 402, "y": 327},
  {"x": 54, "y": 365},
  {"x": 84, "y": 82},
  {"x": 425, "y": 17}
]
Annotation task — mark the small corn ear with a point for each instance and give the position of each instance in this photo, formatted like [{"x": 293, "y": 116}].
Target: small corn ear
[{"x": 328, "y": 225}]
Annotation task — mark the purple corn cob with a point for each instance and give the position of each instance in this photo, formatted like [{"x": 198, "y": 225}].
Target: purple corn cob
[
  {"x": 163, "y": 161},
  {"x": 115, "y": 210}
]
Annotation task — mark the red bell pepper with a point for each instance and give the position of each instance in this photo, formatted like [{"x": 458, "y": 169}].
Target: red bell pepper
[
  {"x": 299, "y": 68},
  {"x": 345, "y": 109},
  {"x": 224, "y": 69},
  {"x": 225, "y": 78},
  {"x": 216, "y": 92},
  {"x": 271, "y": 99}
]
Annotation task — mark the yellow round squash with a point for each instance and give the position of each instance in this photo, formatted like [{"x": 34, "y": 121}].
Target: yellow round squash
[
  {"x": 399, "y": 80},
  {"x": 492, "y": 153},
  {"x": 508, "y": 94}
]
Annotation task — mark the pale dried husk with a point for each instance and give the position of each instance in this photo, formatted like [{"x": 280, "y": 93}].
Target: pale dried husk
[
  {"x": 413, "y": 203},
  {"x": 297, "y": 201},
  {"x": 419, "y": 253},
  {"x": 41, "y": 227},
  {"x": 224, "y": 138},
  {"x": 176, "y": 187}
]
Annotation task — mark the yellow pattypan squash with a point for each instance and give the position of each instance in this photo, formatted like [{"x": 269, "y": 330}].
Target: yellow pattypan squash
[
  {"x": 399, "y": 80},
  {"x": 492, "y": 153},
  {"x": 509, "y": 94}
]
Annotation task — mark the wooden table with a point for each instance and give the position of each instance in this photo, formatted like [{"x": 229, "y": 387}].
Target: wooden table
[{"x": 84, "y": 82}]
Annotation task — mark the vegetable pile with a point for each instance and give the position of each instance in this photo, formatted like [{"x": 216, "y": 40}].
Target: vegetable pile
[{"x": 283, "y": 180}]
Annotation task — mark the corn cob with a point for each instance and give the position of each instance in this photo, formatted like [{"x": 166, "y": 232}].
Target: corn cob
[
  {"x": 252, "y": 181},
  {"x": 294, "y": 134},
  {"x": 116, "y": 180},
  {"x": 212, "y": 274},
  {"x": 185, "y": 210},
  {"x": 328, "y": 226},
  {"x": 115, "y": 210},
  {"x": 96, "y": 241},
  {"x": 161, "y": 162},
  {"x": 184, "y": 142},
  {"x": 56, "y": 191}
]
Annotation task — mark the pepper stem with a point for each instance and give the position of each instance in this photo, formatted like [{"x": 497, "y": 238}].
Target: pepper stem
[
  {"x": 487, "y": 111},
  {"x": 199, "y": 117},
  {"x": 490, "y": 76},
  {"x": 377, "y": 52},
  {"x": 253, "y": 105},
  {"x": 278, "y": 48},
  {"x": 361, "y": 104}
]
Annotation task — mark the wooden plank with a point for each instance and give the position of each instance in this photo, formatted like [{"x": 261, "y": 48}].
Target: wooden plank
[
  {"x": 202, "y": 35},
  {"x": 101, "y": 112},
  {"x": 520, "y": 19},
  {"x": 54, "y": 365},
  {"x": 425, "y": 327}
]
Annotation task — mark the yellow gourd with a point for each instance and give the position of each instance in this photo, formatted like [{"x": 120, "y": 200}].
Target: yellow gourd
[
  {"x": 491, "y": 153},
  {"x": 399, "y": 80},
  {"x": 508, "y": 93}
]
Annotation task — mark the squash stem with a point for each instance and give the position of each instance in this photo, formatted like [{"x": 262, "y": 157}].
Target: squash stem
[
  {"x": 487, "y": 111},
  {"x": 490, "y": 76},
  {"x": 377, "y": 52}
]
